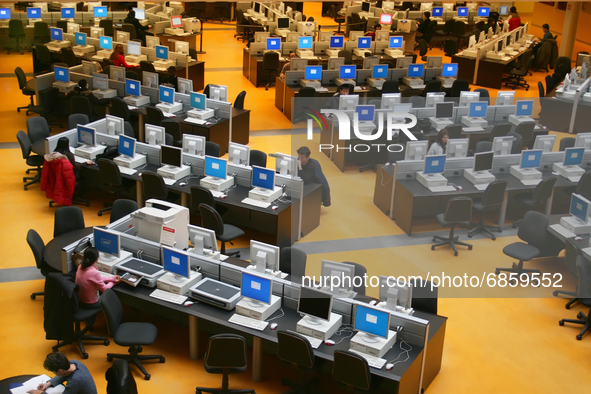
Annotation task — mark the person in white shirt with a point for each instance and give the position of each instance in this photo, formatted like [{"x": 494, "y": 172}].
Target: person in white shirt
[{"x": 439, "y": 146}]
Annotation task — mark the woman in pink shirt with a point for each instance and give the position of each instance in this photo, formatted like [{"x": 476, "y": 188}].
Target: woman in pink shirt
[{"x": 90, "y": 281}]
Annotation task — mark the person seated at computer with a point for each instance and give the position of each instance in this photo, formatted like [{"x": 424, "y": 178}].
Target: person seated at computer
[
  {"x": 333, "y": 102},
  {"x": 310, "y": 171},
  {"x": 491, "y": 24},
  {"x": 424, "y": 24},
  {"x": 372, "y": 34},
  {"x": 82, "y": 90},
  {"x": 170, "y": 79},
  {"x": 287, "y": 66},
  {"x": 90, "y": 281},
  {"x": 514, "y": 20},
  {"x": 63, "y": 147},
  {"x": 140, "y": 31},
  {"x": 547, "y": 34},
  {"x": 118, "y": 57},
  {"x": 439, "y": 146}
]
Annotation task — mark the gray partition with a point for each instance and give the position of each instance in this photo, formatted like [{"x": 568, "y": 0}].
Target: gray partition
[{"x": 152, "y": 152}]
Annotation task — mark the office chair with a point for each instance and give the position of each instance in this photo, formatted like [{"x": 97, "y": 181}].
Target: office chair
[
  {"x": 128, "y": 27},
  {"x": 43, "y": 56},
  {"x": 154, "y": 187},
  {"x": 154, "y": 116},
  {"x": 417, "y": 101},
  {"x": 107, "y": 24},
  {"x": 119, "y": 378},
  {"x": 131, "y": 75},
  {"x": 459, "y": 31},
  {"x": 41, "y": 32},
  {"x": 526, "y": 131},
  {"x": 221, "y": 7},
  {"x": 532, "y": 199},
  {"x": 16, "y": 30},
  {"x": 34, "y": 161},
  {"x": 81, "y": 105},
  {"x": 76, "y": 119},
  {"x": 206, "y": 91},
  {"x": 47, "y": 106},
  {"x": 348, "y": 55},
  {"x": 211, "y": 219},
  {"x": 567, "y": 142},
  {"x": 168, "y": 139},
  {"x": 352, "y": 370},
  {"x": 271, "y": 65},
  {"x": 570, "y": 259},
  {"x": 62, "y": 24},
  {"x": 134, "y": 335},
  {"x": 492, "y": 198},
  {"x": 360, "y": 271},
  {"x": 22, "y": 85},
  {"x": 128, "y": 129},
  {"x": 122, "y": 207},
  {"x": 110, "y": 175},
  {"x": 119, "y": 108},
  {"x": 390, "y": 87},
  {"x": 239, "y": 102},
  {"x": 212, "y": 149},
  {"x": 37, "y": 129},
  {"x": 423, "y": 48},
  {"x": 500, "y": 130},
  {"x": 67, "y": 219},
  {"x": 147, "y": 66},
  {"x": 68, "y": 57},
  {"x": 459, "y": 85},
  {"x": 484, "y": 95},
  {"x": 202, "y": 195},
  {"x": 432, "y": 86},
  {"x": 337, "y": 19},
  {"x": 583, "y": 187},
  {"x": 584, "y": 297},
  {"x": 292, "y": 261},
  {"x": 240, "y": 29},
  {"x": 258, "y": 158},
  {"x": 357, "y": 23},
  {"x": 450, "y": 47},
  {"x": 518, "y": 76},
  {"x": 458, "y": 212},
  {"x": 226, "y": 354},
  {"x": 541, "y": 91},
  {"x": 424, "y": 295},
  {"x": 549, "y": 83},
  {"x": 533, "y": 231},
  {"x": 455, "y": 131},
  {"x": 446, "y": 30},
  {"x": 483, "y": 146},
  {"x": 173, "y": 127},
  {"x": 37, "y": 247},
  {"x": 107, "y": 62},
  {"x": 296, "y": 351}
]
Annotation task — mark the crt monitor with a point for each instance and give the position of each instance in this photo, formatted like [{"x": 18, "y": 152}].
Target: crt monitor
[
  {"x": 573, "y": 156},
  {"x": 100, "y": 81},
  {"x": 463, "y": 12},
  {"x": 194, "y": 144},
  {"x": 434, "y": 62},
  {"x": 256, "y": 288},
  {"x": 415, "y": 70},
  {"x": 238, "y": 154},
  {"x": 365, "y": 113},
  {"x": 215, "y": 167},
  {"x": 396, "y": 42},
  {"x": 126, "y": 146},
  {"x": 171, "y": 156},
  {"x": 450, "y": 70},
  {"x": 370, "y": 61},
  {"x": 202, "y": 239},
  {"x": 218, "y": 92},
  {"x": 154, "y": 134},
  {"x": 263, "y": 178},
  {"x": 161, "y": 52},
  {"x": 336, "y": 42},
  {"x": 380, "y": 71},
  {"x": 5, "y": 14},
  {"x": 80, "y": 39},
  {"x": 364, "y": 42},
  {"x": 483, "y": 12},
  {"x": 286, "y": 164},
  {"x": 444, "y": 110},
  {"x": 304, "y": 42},
  {"x": 123, "y": 36},
  {"x": 478, "y": 109},
  {"x": 166, "y": 94},
  {"x": 457, "y": 147},
  {"x": 416, "y": 150},
  {"x": 345, "y": 272},
  {"x": 502, "y": 145},
  {"x": 434, "y": 164},
  {"x": 33, "y": 13},
  {"x": 583, "y": 140},
  {"x": 390, "y": 99},
  {"x": 181, "y": 47},
  {"x": 61, "y": 74},
  {"x": 545, "y": 142},
  {"x": 315, "y": 304},
  {"x": 108, "y": 244},
  {"x": 531, "y": 158},
  {"x": 579, "y": 207},
  {"x": 100, "y": 12},
  {"x": 525, "y": 108},
  {"x": 504, "y": 10},
  {"x": 198, "y": 101},
  {"x": 152, "y": 42},
  {"x": 395, "y": 292},
  {"x": 264, "y": 256},
  {"x": 483, "y": 161},
  {"x": 300, "y": 64},
  {"x": 403, "y": 62},
  {"x": 348, "y": 71},
  {"x": 176, "y": 21},
  {"x": 132, "y": 87},
  {"x": 56, "y": 33},
  {"x": 106, "y": 42},
  {"x": 150, "y": 79},
  {"x": 86, "y": 135},
  {"x": 505, "y": 97},
  {"x": 373, "y": 322},
  {"x": 134, "y": 48},
  {"x": 313, "y": 73},
  {"x": 185, "y": 85},
  {"x": 176, "y": 262},
  {"x": 283, "y": 23},
  {"x": 385, "y": 19},
  {"x": 261, "y": 36},
  {"x": 273, "y": 44},
  {"x": 365, "y": 6},
  {"x": 334, "y": 63},
  {"x": 433, "y": 98},
  {"x": 437, "y": 11},
  {"x": 467, "y": 97},
  {"x": 140, "y": 13},
  {"x": 117, "y": 73},
  {"x": 115, "y": 125},
  {"x": 348, "y": 102}
]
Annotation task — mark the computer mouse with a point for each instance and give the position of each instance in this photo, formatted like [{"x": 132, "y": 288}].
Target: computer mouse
[
  {"x": 274, "y": 207},
  {"x": 329, "y": 342},
  {"x": 223, "y": 196},
  {"x": 208, "y": 124},
  {"x": 273, "y": 326},
  {"x": 578, "y": 238},
  {"x": 183, "y": 184},
  {"x": 459, "y": 187},
  {"x": 139, "y": 174},
  {"x": 188, "y": 303},
  {"x": 373, "y": 302},
  {"x": 389, "y": 366}
]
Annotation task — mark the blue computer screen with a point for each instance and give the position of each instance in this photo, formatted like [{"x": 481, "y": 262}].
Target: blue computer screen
[
  {"x": 450, "y": 70},
  {"x": 313, "y": 72},
  {"x": 463, "y": 11},
  {"x": 106, "y": 42},
  {"x": 372, "y": 321},
  {"x": 573, "y": 156},
  {"x": 434, "y": 164},
  {"x": 100, "y": 12},
  {"x": 166, "y": 95},
  {"x": 337, "y": 41},
  {"x": 176, "y": 261},
  {"x": 126, "y": 145},
  {"x": 365, "y": 113},
  {"x": 215, "y": 167},
  {"x": 80, "y": 38},
  {"x": 198, "y": 100},
  {"x": 348, "y": 72},
  {"x": 273, "y": 44},
  {"x": 56, "y": 33},
  {"x": 62, "y": 74},
  {"x": 86, "y": 135},
  {"x": 132, "y": 87},
  {"x": 106, "y": 242},
  {"x": 34, "y": 13},
  {"x": 525, "y": 108},
  {"x": 68, "y": 13},
  {"x": 256, "y": 287},
  {"x": 579, "y": 208},
  {"x": 364, "y": 42},
  {"x": 161, "y": 52},
  {"x": 263, "y": 178},
  {"x": 4, "y": 13},
  {"x": 478, "y": 109},
  {"x": 380, "y": 71},
  {"x": 437, "y": 11},
  {"x": 531, "y": 158},
  {"x": 396, "y": 42},
  {"x": 415, "y": 70},
  {"x": 483, "y": 11},
  {"x": 305, "y": 42}
]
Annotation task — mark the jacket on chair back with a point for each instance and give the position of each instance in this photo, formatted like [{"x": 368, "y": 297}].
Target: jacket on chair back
[{"x": 58, "y": 179}]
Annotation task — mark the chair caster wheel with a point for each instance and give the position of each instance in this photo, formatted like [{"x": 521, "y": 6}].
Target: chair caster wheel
[
  {"x": 470, "y": 247},
  {"x": 162, "y": 360},
  {"x": 18, "y": 110},
  {"x": 109, "y": 359},
  {"x": 493, "y": 238},
  {"x": 147, "y": 377},
  {"x": 470, "y": 235},
  {"x": 580, "y": 315},
  {"x": 579, "y": 337},
  {"x": 561, "y": 323},
  {"x": 32, "y": 296},
  {"x": 106, "y": 342},
  {"x": 100, "y": 214},
  {"x": 139, "y": 349},
  {"x": 26, "y": 188},
  {"x": 497, "y": 272},
  {"x": 456, "y": 254},
  {"x": 567, "y": 306},
  {"x": 84, "y": 356},
  {"x": 434, "y": 239},
  {"x": 500, "y": 230},
  {"x": 433, "y": 247}
]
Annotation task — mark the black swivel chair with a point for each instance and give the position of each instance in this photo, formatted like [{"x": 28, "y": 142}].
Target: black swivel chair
[
  {"x": 583, "y": 187},
  {"x": 455, "y": 131},
  {"x": 37, "y": 247},
  {"x": 107, "y": 25},
  {"x": 292, "y": 261},
  {"x": 533, "y": 231},
  {"x": 549, "y": 83},
  {"x": 518, "y": 76},
  {"x": 22, "y": 85},
  {"x": 202, "y": 195},
  {"x": 417, "y": 101},
  {"x": 67, "y": 219},
  {"x": 48, "y": 105},
  {"x": 37, "y": 129},
  {"x": 134, "y": 335},
  {"x": 239, "y": 102},
  {"x": 119, "y": 108},
  {"x": 432, "y": 86},
  {"x": 584, "y": 284},
  {"x": 526, "y": 131},
  {"x": 348, "y": 55},
  {"x": 541, "y": 91},
  {"x": 131, "y": 75},
  {"x": 337, "y": 19},
  {"x": 567, "y": 142},
  {"x": 492, "y": 198},
  {"x": 484, "y": 95},
  {"x": 16, "y": 30},
  {"x": 296, "y": 351},
  {"x": 128, "y": 27},
  {"x": 459, "y": 85},
  {"x": 483, "y": 146},
  {"x": 122, "y": 207},
  {"x": 226, "y": 354},
  {"x": 271, "y": 65},
  {"x": 62, "y": 24},
  {"x": 258, "y": 158},
  {"x": 500, "y": 130},
  {"x": 34, "y": 161},
  {"x": 154, "y": 187},
  {"x": 424, "y": 296},
  {"x": 173, "y": 128},
  {"x": 120, "y": 379},
  {"x": 570, "y": 259},
  {"x": 128, "y": 129},
  {"x": 211, "y": 219},
  {"x": 538, "y": 196},
  {"x": 154, "y": 116},
  {"x": 68, "y": 57},
  {"x": 458, "y": 212},
  {"x": 110, "y": 175},
  {"x": 44, "y": 57},
  {"x": 76, "y": 119},
  {"x": 212, "y": 149},
  {"x": 81, "y": 105},
  {"x": 351, "y": 370},
  {"x": 516, "y": 146},
  {"x": 390, "y": 87}
]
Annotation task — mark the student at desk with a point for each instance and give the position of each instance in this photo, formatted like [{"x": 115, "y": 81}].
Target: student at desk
[
  {"x": 72, "y": 372},
  {"x": 311, "y": 172},
  {"x": 372, "y": 34},
  {"x": 118, "y": 57},
  {"x": 90, "y": 281},
  {"x": 140, "y": 31},
  {"x": 424, "y": 24},
  {"x": 82, "y": 90},
  {"x": 343, "y": 90},
  {"x": 439, "y": 146},
  {"x": 287, "y": 66}
]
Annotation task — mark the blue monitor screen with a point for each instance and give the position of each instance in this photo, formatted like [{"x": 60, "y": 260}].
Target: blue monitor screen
[
  {"x": 56, "y": 34},
  {"x": 380, "y": 71},
  {"x": 365, "y": 113},
  {"x": 132, "y": 87},
  {"x": 198, "y": 100},
  {"x": 86, "y": 135},
  {"x": 215, "y": 167},
  {"x": 434, "y": 164},
  {"x": 126, "y": 145},
  {"x": 106, "y": 242},
  {"x": 62, "y": 74},
  {"x": 80, "y": 38},
  {"x": 305, "y": 42},
  {"x": 573, "y": 156},
  {"x": 263, "y": 178},
  {"x": 314, "y": 72},
  {"x": 68, "y": 13},
  {"x": 4, "y": 13},
  {"x": 166, "y": 95},
  {"x": 483, "y": 11},
  {"x": 34, "y": 13},
  {"x": 161, "y": 52},
  {"x": 106, "y": 42},
  {"x": 348, "y": 72},
  {"x": 450, "y": 70},
  {"x": 525, "y": 108},
  {"x": 372, "y": 321},
  {"x": 415, "y": 70},
  {"x": 273, "y": 44},
  {"x": 176, "y": 262},
  {"x": 463, "y": 11},
  {"x": 437, "y": 11},
  {"x": 364, "y": 42},
  {"x": 100, "y": 12},
  {"x": 256, "y": 287},
  {"x": 579, "y": 208},
  {"x": 531, "y": 158},
  {"x": 396, "y": 42},
  {"x": 337, "y": 41},
  {"x": 478, "y": 109}
]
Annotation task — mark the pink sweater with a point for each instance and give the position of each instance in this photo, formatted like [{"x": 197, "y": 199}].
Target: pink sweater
[{"x": 90, "y": 282}]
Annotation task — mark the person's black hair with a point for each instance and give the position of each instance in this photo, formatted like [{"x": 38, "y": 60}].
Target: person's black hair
[
  {"x": 345, "y": 86},
  {"x": 56, "y": 361},
  {"x": 82, "y": 84},
  {"x": 63, "y": 145},
  {"x": 513, "y": 10},
  {"x": 376, "y": 25},
  {"x": 304, "y": 150},
  {"x": 491, "y": 20},
  {"x": 171, "y": 70},
  {"x": 439, "y": 138},
  {"x": 546, "y": 26},
  {"x": 91, "y": 255},
  {"x": 427, "y": 14},
  {"x": 131, "y": 14}
]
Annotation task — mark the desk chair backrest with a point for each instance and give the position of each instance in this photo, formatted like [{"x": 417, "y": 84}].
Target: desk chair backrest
[
  {"x": 459, "y": 85},
  {"x": 131, "y": 75},
  {"x": 571, "y": 252},
  {"x": 239, "y": 102},
  {"x": 483, "y": 146},
  {"x": 271, "y": 61},
  {"x": 424, "y": 296},
  {"x": 128, "y": 27},
  {"x": 201, "y": 195},
  {"x": 348, "y": 55},
  {"x": 37, "y": 129},
  {"x": 41, "y": 31},
  {"x": 43, "y": 54},
  {"x": 459, "y": 209},
  {"x": 567, "y": 142},
  {"x": 484, "y": 95},
  {"x": 37, "y": 246},
  {"x": 119, "y": 108},
  {"x": 541, "y": 91},
  {"x": 67, "y": 219},
  {"x": 16, "y": 28},
  {"x": 113, "y": 310},
  {"x": 307, "y": 92},
  {"x": 494, "y": 194},
  {"x": 21, "y": 78},
  {"x": 423, "y": 47},
  {"x": 128, "y": 129},
  {"x": 107, "y": 25},
  {"x": 147, "y": 66},
  {"x": 533, "y": 229},
  {"x": 458, "y": 28},
  {"x": 154, "y": 186},
  {"x": 81, "y": 105},
  {"x": 154, "y": 116},
  {"x": 119, "y": 378},
  {"x": 76, "y": 119},
  {"x": 293, "y": 261},
  {"x": 430, "y": 31},
  {"x": 455, "y": 131},
  {"x": 417, "y": 101},
  {"x": 173, "y": 127},
  {"x": 211, "y": 219},
  {"x": 68, "y": 57},
  {"x": 294, "y": 349},
  {"x": 549, "y": 83},
  {"x": 390, "y": 87},
  {"x": 258, "y": 158},
  {"x": 432, "y": 87},
  {"x": 517, "y": 138},
  {"x": 543, "y": 190},
  {"x": 25, "y": 143},
  {"x": 226, "y": 352},
  {"x": 351, "y": 369},
  {"x": 500, "y": 130},
  {"x": 122, "y": 207},
  {"x": 584, "y": 185},
  {"x": 212, "y": 149},
  {"x": 584, "y": 286},
  {"x": 450, "y": 47},
  {"x": 109, "y": 172},
  {"x": 62, "y": 24}
]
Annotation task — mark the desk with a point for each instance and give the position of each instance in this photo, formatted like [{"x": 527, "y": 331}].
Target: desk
[
  {"x": 252, "y": 68},
  {"x": 5, "y": 383},
  {"x": 490, "y": 71},
  {"x": 52, "y": 253}
]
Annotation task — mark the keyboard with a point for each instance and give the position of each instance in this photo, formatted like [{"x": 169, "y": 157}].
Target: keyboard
[
  {"x": 481, "y": 186},
  {"x": 531, "y": 182},
  {"x": 169, "y": 181},
  {"x": 374, "y": 362},
  {"x": 127, "y": 171},
  {"x": 79, "y": 159},
  {"x": 562, "y": 231},
  {"x": 241, "y": 320},
  {"x": 438, "y": 189},
  {"x": 167, "y": 296},
  {"x": 194, "y": 120},
  {"x": 315, "y": 342},
  {"x": 256, "y": 203}
]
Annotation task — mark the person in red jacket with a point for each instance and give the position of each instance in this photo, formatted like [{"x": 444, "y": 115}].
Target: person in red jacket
[
  {"x": 118, "y": 57},
  {"x": 514, "y": 21},
  {"x": 58, "y": 179}
]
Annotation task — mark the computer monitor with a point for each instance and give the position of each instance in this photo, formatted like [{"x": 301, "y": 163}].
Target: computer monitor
[
  {"x": 315, "y": 304},
  {"x": 299, "y": 64},
  {"x": 505, "y": 97},
  {"x": 56, "y": 33},
  {"x": 80, "y": 39},
  {"x": 286, "y": 164},
  {"x": 194, "y": 144},
  {"x": 124, "y": 36},
  {"x": 483, "y": 12},
  {"x": 238, "y": 153},
  {"x": 482, "y": 36},
  {"x": 380, "y": 71},
  {"x": 313, "y": 73},
  {"x": 134, "y": 48},
  {"x": 292, "y": 36},
  {"x": 324, "y": 36},
  {"x": 396, "y": 42},
  {"x": 364, "y": 42},
  {"x": 583, "y": 140},
  {"x": 579, "y": 207},
  {"x": 33, "y": 13},
  {"x": 261, "y": 36},
  {"x": 176, "y": 262},
  {"x": 171, "y": 156},
  {"x": 283, "y": 23},
  {"x": 115, "y": 124},
  {"x": 545, "y": 142},
  {"x": 502, "y": 145},
  {"x": 152, "y": 41},
  {"x": 117, "y": 73},
  {"x": 444, "y": 110},
  {"x": 530, "y": 158},
  {"x": 86, "y": 135},
  {"x": 305, "y": 42},
  {"x": 126, "y": 146},
  {"x": 382, "y": 35},
  {"x": 415, "y": 70},
  {"x": 100, "y": 12},
  {"x": 365, "y": 6},
  {"x": 150, "y": 79},
  {"x": 450, "y": 70},
  {"x": 62, "y": 74},
  {"x": 335, "y": 63},
  {"x": 437, "y": 12},
  {"x": 434, "y": 98},
  {"x": 434, "y": 62},
  {"x": 457, "y": 147},
  {"x": 573, "y": 156},
  {"x": 348, "y": 71},
  {"x": 395, "y": 292},
  {"x": 416, "y": 150},
  {"x": 500, "y": 46},
  {"x": 215, "y": 167},
  {"x": 345, "y": 272},
  {"x": 176, "y": 21},
  {"x": 202, "y": 239},
  {"x": 463, "y": 12},
  {"x": 478, "y": 109},
  {"x": 106, "y": 42},
  {"x": 166, "y": 94},
  {"x": 525, "y": 108},
  {"x": 161, "y": 52},
  {"x": 370, "y": 61},
  {"x": 467, "y": 97},
  {"x": 483, "y": 161},
  {"x": 390, "y": 99},
  {"x": 504, "y": 10},
  {"x": 96, "y": 32},
  {"x": 218, "y": 92},
  {"x": 257, "y": 289},
  {"x": 385, "y": 19},
  {"x": 264, "y": 256},
  {"x": 403, "y": 62},
  {"x": 434, "y": 164},
  {"x": 263, "y": 178},
  {"x": 100, "y": 81},
  {"x": 273, "y": 44},
  {"x": 92, "y": 4},
  {"x": 5, "y": 14},
  {"x": 348, "y": 102},
  {"x": 365, "y": 113},
  {"x": 185, "y": 85},
  {"x": 372, "y": 322},
  {"x": 107, "y": 243},
  {"x": 140, "y": 13},
  {"x": 198, "y": 101},
  {"x": 336, "y": 42},
  {"x": 154, "y": 134}
]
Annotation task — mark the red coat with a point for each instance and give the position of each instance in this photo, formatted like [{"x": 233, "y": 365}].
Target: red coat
[
  {"x": 58, "y": 179},
  {"x": 514, "y": 23}
]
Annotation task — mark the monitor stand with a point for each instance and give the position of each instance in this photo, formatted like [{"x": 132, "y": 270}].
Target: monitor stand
[
  {"x": 431, "y": 180},
  {"x": 217, "y": 184},
  {"x": 322, "y": 331},
  {"x": 167, "y": 282},
  {"x": 440, "y": 123},
  {"x": 247, "y": 307},
  {"x": 574, "y": 225},
  {"x": 89, "y": 152},
  {"x": 173, "y": 172},
  {"x": 569, "y": 172},
  {"x": 130, "y": 162},
  {"x": 525, "y": 174},
  {"x": 265, "y": 195},
  {"x": 478, "y": 177},
  {"x": 374, "y": 346},
  {"x": 106, "y": 264}
]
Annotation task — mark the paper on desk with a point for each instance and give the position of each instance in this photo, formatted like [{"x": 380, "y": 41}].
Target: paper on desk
[{"x": 33, "y": 383}]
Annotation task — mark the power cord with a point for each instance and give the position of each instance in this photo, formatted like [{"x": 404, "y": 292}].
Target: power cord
[
  {"x": 282, "y": 313},
  {"x": 405, "y": 352}
]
